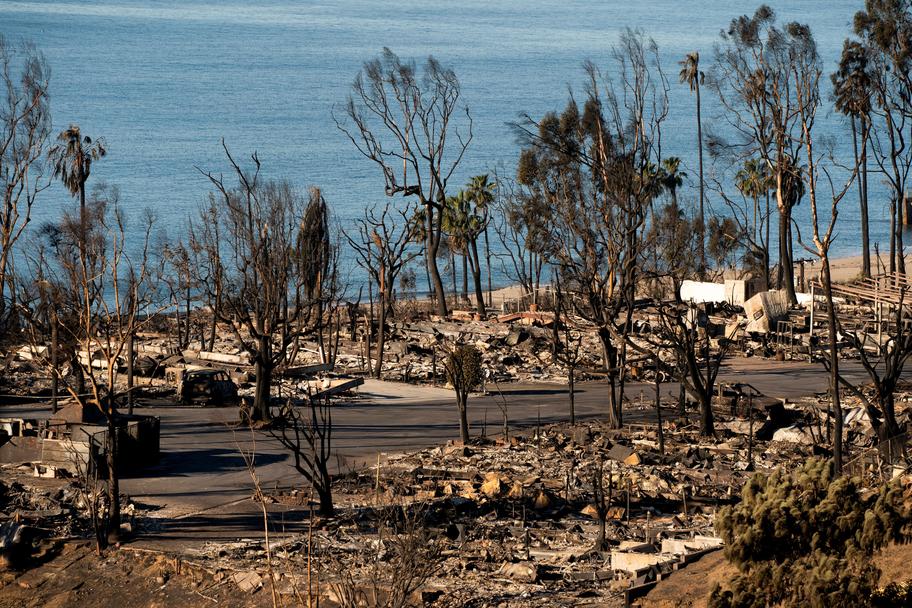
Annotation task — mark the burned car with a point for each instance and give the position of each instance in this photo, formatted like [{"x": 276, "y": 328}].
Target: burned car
[{"x": 207, "y": 387}]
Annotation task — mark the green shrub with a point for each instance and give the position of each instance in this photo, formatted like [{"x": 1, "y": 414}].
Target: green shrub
[{"x": 801, "y": 538}]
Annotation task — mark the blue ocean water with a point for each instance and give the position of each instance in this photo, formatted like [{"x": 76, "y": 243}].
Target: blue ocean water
[{"x": 164, "y": 81}]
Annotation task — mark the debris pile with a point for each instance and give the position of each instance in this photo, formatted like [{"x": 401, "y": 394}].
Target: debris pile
[{"x": 520, "y": 521}]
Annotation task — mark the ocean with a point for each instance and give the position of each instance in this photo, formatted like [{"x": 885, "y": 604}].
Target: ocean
[{"x": 164, "y": 81}]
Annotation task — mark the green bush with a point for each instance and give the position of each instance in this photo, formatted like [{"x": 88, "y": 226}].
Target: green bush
[{"x": 801, "y": 538}]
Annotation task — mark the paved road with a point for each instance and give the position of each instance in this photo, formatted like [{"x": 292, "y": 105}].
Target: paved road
[{"x": 201, "y": 486}]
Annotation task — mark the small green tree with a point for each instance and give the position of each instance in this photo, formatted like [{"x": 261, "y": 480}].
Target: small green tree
[
  {"x": 802, "y": 538},
  {"x": 464, "y": 372}
]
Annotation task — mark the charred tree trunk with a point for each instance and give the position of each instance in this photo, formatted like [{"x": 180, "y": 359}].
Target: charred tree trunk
[
  {"x": 381, "y": 338},
  {"x": 131, "y": 355},
  {"x": 609, "y": 356},
  {"x": 862, "y": 202},
  {"x": 570, "y": 378},
  {"x": 658, "y": 403},
  {"x": 461, "y": 403},
  {"x": 834, "y": 367},
  {"x": 111, "y": 461},
  {"x": 488, "y": 265},
  {"x": 78, "y": 373},
  {"x": 786, "y": 272},
  {"x": 602, "y": 502},
  {"x": 55, "y": 369},
  {"x": 707, "y": 426},
  {"x": 887, "y": 406},
  {"x": 212, "y": 328},
  {"x": 893, "y": 207},
  {"x": 431, "y": 247},
  {"x": 263, "y": 371},
  {"x": 453, "y": 276},
  {"x": 682, "y": 399},
  {"x": 187, "y": 316}
]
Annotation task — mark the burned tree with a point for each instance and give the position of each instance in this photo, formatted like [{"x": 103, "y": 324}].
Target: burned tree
[
  {"x": 885, "y": 30},
  {"x": 567, "y": 342},
  {"x": 25, "y": 124},
  {"x": 852, "y": 92},
  {"x": 746, "y": 225},
  {"x": 101, "y": 291},
  {"x": 694, "y": 77},
  {"x": 204, "y": 246},
  {"x": 178, "y": 276},
  {"x": 673, "y": 238},
  {"x": 464, "y": 373},
  {"x": 307, "y": 433},
  {"x": 884, "y": 361},
  {"x": 756, "y": 81},
  {"x": 683, "y": 330},
  {"x": 382, "y": 245},
  {"x": 817, "y": 171},
  {"x": 72, "y": 159},
  {"x": 602, "y": 502},
  {"x": 273, "y": 267},
  {"x": 394, "y": 116},
  {"x": 520, "y": 218},
  {"x": 592, "y": 166}
]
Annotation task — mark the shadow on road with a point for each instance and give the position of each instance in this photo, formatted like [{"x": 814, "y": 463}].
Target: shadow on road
[{"x": 211, "y": 460}]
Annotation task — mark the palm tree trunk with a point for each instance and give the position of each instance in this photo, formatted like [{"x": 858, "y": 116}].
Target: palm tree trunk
[
  {"x": 465, "y": 276},
  {"x": 476, "y": 275},
  {"x": 488, "y": 262},
  {"x": 453, "y": 274},
  {"x": 702, "y": 235}
]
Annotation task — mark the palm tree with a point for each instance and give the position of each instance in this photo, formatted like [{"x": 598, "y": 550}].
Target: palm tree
[
  {"x": 691, "y": 74},
  {"x": 463, "y": 225},
  {"x": 456, "y": 226},
  {"x": 481, "y": 193},
  {"x": 672, "y": 177},
  {"x": 754, "y": 181},
  {"x": 652, "y": 179},
  {"x": 72, "y": 159},
  {"x": 852, "y": 83}
]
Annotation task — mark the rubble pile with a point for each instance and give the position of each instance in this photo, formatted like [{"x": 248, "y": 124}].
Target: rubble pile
[
  {"x": 516, "y": 521},
  {"x": 41, "y": 504},
  {"x": 519, "y": 346},
  {"x": 52, "y": 504}
]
